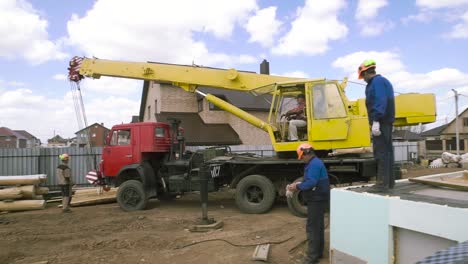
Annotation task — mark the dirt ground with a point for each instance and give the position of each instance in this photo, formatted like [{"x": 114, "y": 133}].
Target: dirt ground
[{"x": 105, "y": 234}]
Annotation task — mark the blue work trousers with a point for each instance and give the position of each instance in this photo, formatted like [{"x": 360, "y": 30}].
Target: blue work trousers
[
  {"x": 315, "y": 229},
  {"x": 383, "y": 154}
]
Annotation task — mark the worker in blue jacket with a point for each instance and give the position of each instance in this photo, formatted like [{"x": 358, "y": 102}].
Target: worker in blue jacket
[
  {"x": 380, "y": 103},
  {"x": 316, "y": 191}
]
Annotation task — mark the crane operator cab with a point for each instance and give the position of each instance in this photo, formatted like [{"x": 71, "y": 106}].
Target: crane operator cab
[{"x": 311, "y": 111}]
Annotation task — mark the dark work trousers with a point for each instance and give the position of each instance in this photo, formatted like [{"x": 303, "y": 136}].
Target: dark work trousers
[
  {"x": 65, "y": 190},
  {"x": 315, "y": 229},
  {"x": 383, "y": 154}
]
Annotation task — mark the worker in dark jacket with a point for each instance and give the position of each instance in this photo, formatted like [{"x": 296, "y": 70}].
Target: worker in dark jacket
[
  {"x": 64, "y": 180},
  {"x": 380, "y": 103},
  {"x": 316, "y": 191}
]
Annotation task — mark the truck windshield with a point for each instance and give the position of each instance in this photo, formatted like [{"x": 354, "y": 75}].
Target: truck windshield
[{"x": 120, "y": 137}]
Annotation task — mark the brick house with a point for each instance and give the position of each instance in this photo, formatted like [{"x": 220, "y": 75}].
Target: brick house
[
  {"x": 97, "y": 134},
  {"x": 11, "y": 139},
  {"x": 31, "y": 141},
  {"x": 443, "y": 138},
  {"x": 204, "y": 123},
  {"x": 57, "y": 141}
]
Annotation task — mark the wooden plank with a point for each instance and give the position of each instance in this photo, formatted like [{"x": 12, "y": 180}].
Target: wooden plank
[
  {"x": 92, "y": 200},
  {"x": 23, "y": 179},
  {"x": 10, "y": 193},
  {"x": 42, "y": 190},
  {"x": 22, "y": 205},
  {"x": 457, "y": 181},
  {"x": 261, "y": 252}
]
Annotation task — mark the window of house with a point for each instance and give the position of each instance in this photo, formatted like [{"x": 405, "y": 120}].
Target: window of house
[
  {"x": 120, "y": 137},
  {"x": 465, "y": 121},
  {"x": 451, "y": 144},
  {"x": 156, "y": 106},
  {"x": 434, "y": 144}
]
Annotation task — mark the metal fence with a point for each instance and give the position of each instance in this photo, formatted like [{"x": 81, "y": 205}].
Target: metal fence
[
  {"x": 27, "y": 161},
  {"x": 405, "y": 151},
  {"x": 45, "y": 160}
]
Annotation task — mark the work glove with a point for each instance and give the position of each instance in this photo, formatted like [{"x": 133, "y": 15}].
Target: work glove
[
  {"x": 289, "y": 194},
  {"x": 376, "y": 129}
]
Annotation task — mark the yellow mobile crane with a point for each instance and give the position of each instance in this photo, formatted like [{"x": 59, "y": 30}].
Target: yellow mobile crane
[
  {"x": 341, "y": 123},
  {"x": 141, "y": 170}
]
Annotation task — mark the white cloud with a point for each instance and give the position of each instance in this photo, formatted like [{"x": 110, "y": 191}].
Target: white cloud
[
  {"x": 23, "y": 109},
  {"x": 368, "y": 9},
  {"x": 424, "y": 16},
  {"x": 460, "y": 30},
  {"x": 60, "y": 77},
  {"x": 390, "y": 65},
  {"x": 159, "y": 30},
  {"x": 107, "y": 86},
  {"x": 366, "y": 13},
  {"x": 315, "y": 26},
  {"x": 436, "y": 4},
  {"x": 24, "y": 34},
  {"x": 451, "y": 11},
  {"x": 264, "y": 26}
]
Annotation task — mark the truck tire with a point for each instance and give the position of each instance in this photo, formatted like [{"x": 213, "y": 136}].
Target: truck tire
[
  {"x": 296, "y": 203},
  {"x": 131, "y": 196},
  {"x": 255, "y": 194}
]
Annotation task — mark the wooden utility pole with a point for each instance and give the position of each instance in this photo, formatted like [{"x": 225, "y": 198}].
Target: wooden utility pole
[{"x": 456, "y": 121}]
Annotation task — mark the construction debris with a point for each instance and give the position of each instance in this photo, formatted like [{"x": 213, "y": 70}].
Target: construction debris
[{"x": 261, "y": 252}]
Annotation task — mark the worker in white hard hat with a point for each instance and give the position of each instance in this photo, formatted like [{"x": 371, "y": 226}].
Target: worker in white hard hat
[{"x": 64, "y": 180}]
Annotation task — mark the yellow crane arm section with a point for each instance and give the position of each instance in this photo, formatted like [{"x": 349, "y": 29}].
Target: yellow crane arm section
[{"x": 184, "y": 76}]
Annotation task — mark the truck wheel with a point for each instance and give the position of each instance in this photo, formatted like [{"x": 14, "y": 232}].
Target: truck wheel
[
  {"x": 296, "y": 203},
  {"x": 255, "y": 194},
  {"x": 131, "y": 196}
]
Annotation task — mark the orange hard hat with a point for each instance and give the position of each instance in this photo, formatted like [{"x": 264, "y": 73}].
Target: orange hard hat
[
  {"x": 303, "y": 148},
  {"x": 365, "y": 65},
  {"x": 64, "y": 156}
]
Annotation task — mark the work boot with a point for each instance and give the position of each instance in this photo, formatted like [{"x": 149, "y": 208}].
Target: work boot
[{"x": 65, "y": 205}]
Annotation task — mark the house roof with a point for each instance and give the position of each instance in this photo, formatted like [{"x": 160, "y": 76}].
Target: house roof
[
  {"x": 77, "y": 132},
  {"x": 197, "y": 133},
  {"x": 406, "y": 135},
  {"x": 25, "y": 134},
  {"x": 436, "y": 131},
  {"x": 6, "y": 132},
  {"x": 58, "y": 139}
]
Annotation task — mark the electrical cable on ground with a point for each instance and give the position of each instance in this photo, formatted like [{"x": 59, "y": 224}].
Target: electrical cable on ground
[{"x": 232, "y": 244}]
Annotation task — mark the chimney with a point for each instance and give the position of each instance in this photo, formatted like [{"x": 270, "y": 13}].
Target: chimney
[{"x": 265, "y": 67}]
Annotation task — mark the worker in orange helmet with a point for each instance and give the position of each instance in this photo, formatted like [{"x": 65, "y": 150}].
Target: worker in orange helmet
[
  {"x": 64, "y": 180},
  {"x": 316, "y": 191},
  {"x": 380, "y": 103}
]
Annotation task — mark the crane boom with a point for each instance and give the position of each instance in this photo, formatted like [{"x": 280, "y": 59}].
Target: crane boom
[
  {"x": 333, "y": 121},
  {"x": 185, "y": 76}
]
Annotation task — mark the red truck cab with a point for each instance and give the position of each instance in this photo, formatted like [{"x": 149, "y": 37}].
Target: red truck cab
[{"x": 133, "y": 143}]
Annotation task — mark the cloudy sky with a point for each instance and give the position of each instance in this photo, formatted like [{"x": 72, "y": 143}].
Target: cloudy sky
[{"x": 420, "y": 45}]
